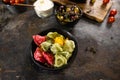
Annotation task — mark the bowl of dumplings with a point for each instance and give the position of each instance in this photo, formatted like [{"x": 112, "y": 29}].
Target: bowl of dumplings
[{"x": 53, "y": 49}]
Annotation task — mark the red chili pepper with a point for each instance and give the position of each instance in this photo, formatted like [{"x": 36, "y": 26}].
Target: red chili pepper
[
  {"x": 38, "y": 55},
  {"x": 38, "y": 39}
]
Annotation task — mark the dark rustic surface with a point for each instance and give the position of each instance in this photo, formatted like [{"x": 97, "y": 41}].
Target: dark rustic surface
[{"x": 98, "y": 57}]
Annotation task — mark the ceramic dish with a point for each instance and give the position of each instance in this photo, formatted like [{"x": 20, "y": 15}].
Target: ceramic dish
[{"x": 68, "y": 15}]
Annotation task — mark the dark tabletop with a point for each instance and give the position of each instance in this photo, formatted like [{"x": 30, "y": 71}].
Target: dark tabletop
[{"x": 98, "y": 57}]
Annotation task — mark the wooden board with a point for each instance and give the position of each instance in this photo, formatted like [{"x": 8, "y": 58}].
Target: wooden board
[{"x": 96, "y": 11}]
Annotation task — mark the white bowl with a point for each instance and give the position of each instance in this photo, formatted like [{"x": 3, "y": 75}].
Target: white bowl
[{"x": 43, "y": 8}]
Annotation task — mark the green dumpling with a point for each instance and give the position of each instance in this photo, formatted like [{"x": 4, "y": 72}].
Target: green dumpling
[
  {"x": 45, "y": 45},
  {"x": 60, "y": 60},
  {"x": 69, "y": 46},
  {"x": 55, "y": 48},
  {"x": 66, "y": 54},
  {"x": 52, "y": 35}
]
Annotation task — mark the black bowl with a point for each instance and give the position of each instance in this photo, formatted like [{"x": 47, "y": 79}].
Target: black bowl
[
  {"x": 64, "y": 33},
  {"x": 67, "y": 15}
]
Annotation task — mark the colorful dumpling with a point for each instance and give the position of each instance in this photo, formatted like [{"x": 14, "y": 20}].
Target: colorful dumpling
[
  {"x": 66, "y": 54},
  {"x": 55, "y": 48},
  {"x": 59, "y": 61},
  {"x": 52, "y": 35},
  {"x": 69, "y": 46},
  {"x": 45, "y": 45},
  {"x": 59, "y": 40}
]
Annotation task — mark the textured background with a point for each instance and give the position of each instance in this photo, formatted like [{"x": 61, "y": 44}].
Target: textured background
[{"x": 98, "y": 57}]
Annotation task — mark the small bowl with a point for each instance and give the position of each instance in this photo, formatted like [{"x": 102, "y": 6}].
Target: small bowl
[
  {"x": 43, "y": 8},
  {"x": 68, "y": 15},
  {"x": 64, "y": 33}
]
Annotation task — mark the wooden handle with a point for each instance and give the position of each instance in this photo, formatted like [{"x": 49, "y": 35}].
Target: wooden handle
[
  {"x": 63, "y": 2},
  {"x": 27, "y": 5}
]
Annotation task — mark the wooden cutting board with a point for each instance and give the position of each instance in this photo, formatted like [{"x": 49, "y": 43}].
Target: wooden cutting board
[{"x": 96, "y": 11}]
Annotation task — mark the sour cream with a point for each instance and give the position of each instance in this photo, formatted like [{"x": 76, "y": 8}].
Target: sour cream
[{"x": 43, "y": 8}]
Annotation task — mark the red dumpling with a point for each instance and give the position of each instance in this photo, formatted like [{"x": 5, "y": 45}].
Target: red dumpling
[
  {"x": 49, "y": 57},
  {"x": 38, "y": 39},
  {"x": 38, "y": 55}
]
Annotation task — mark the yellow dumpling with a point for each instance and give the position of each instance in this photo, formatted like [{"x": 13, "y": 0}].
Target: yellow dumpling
[{"x": 59, "y": 40}]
